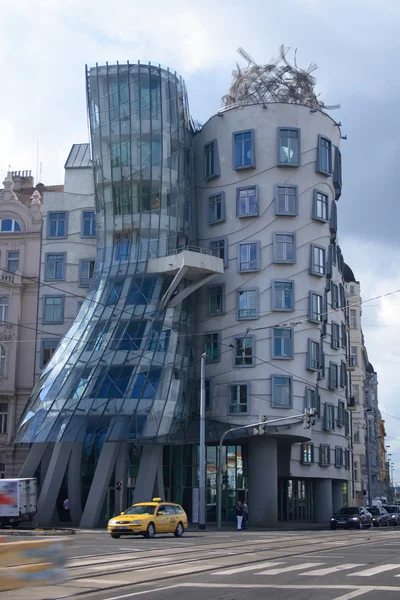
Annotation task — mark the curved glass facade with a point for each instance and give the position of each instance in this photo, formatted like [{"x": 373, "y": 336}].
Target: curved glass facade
[{"x": 121, "y": 371}]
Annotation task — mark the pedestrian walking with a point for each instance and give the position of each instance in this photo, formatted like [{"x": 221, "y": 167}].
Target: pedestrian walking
[
  {"x": 239, "y": 515},
  {"x": 245, "y": 510},
  {"x": 66, "y": 509}
]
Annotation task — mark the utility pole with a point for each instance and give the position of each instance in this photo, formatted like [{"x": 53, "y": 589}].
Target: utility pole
[{"x": 202, "y": 474}]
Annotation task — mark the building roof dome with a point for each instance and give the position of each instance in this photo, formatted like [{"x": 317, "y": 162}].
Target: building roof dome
[
  {"x": 370, "y": 368},
  {"x": 348, "y": 274}
]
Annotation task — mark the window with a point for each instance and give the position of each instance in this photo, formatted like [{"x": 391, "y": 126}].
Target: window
[
  {"x": 286, "y": 200},
  {"x": 356, "y": 392},
  {"x": 324, "y": 456},
  {"x": 282, "y": 295},
  {"x": 148, "y": 98},
  {"x": 315, "y": 307},
  {"x": 311, "y": 399},
  {"x": 333, "y": 376},
  {"x": 239, "y": 398},
  {"x": 13, "y": 261},
  {"x": 86, "y": 270},
  {"x": 243, "y": 150},
  {"x": 353, "y": 356},
  {"x": 119, "y": 99},
  {"x": 247, "y": 304},
  {"x": 216, "y": 300},
  {"x": 3, "y": 419},
  {"x": 244, "y": 349},
  {"x": 247, "y": 201},
  {"x": 341, "y": 414},
  {"x": 335, "y": 339},
  {"x": 342, "y": 296},
  {"x": 352, "y": 290},
  {"x": 211, "y": 160},
  {"x": 122, "y": 197},
  {"x": 282, "y": 392},
  {"x": 344, "y": 336},
  {"x": 122, "y": 245},
  {"x": 48, "y": 349},
  {"x": 307, "y": 454},
  {"x": 9, "y": 225},
  {"x": 329, "y": 417},
  {"x": 343, "y": 374},
  {"x": 55, "y": 266},
  {"x": 216, "y": 208},
  {"x": 121, "y": 154},
  {"x": 282, "y": 342},
  {"x": 337, "y": 174},
  {"x": 324, "y": 156},
  {"x": 288, "y": 147},
  {"x": 334, "y": 252},
  {"x": 53, "y": 309},
  {"x": 111, "y": 382},
  {"x": 146, "y": 384},
  {"x": 317, "y": 266},
  {"x": 347, "y": 458},
  {"x": 212, "y": 346},
  {"x": 88, "y": 223},
  {"x": 284, "y": 248},
  {"x": 129, "y": 336},
  {"x": 115, "y": 292},
  {"x": 320, "y": 207},
  {"x": 141, "y": 291},
  {"x": 356, "y": 471},
  {"x": 333, "y": 221},
  {"x": 219, "y": 248},
  {"x": 353, "y": 319},
  {"x": 2, "y": 362},
  {"x": 57, "y": 225},
  {"x": 313, "y": 355},
  {"x": 3, "y": 309},
  {"x": 159, "y": 341},
  {"x": 338, "y": 457},
  {"x": 335, "y": 295},
  {"x": 321, "y": 373},
  {"x": 249, "y": 256}
]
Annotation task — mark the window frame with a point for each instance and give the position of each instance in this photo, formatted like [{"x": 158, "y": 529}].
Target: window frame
[
  {"x": 310, "y": 307},
  {"x": 316, "y": 403},
  {"x": 329, "y": 423},
  {"x": 220, "y": 239},
  {"x": 4, "y": 421},
  {"x": 309, "y": 364},
  {"x": 324, "y": 203},
  {"x": 312, "y": 270},
  {"x": 92, "y": 220},
  {"x": 13, "y": 229},
  {"x": 310, "y": 449},
  {"x": 334, "y": 295},
  {"x": 273, "y": 386},
  {"x": 252, "y": 164},
  {"x": 289, "y": 213},
  {"x": 275, "y": 246},
  {"x": 42, "y": 341},
  {"x": 64, "y": 265},
  {"x": 3, "y": 362},
  {"x": 335, "y": 335},
  {"x": 354, "y": 355},
  {"x": 238, "y": 309},
  {"x": 352, "y": 318},
  {"x": 223, "y": 214},
  {"x": 280, "y": 163},
  {"x": 318, "y": 166},
  {"x": 218, "y": 333},
  {"x": 13, "y": 260},
  {"x": 332, "y": 381},
  {"x": 223, "y": 308},
  {"x": 252, "y": 339},
  {"x": 235, "y": 384},
  {"x": 216, "y": 168},
  {"x": 273, "y": 339},
  {"x": 343, "y": 374},
  {"x": 57, "y": 212},
  {"x": 81, "y": 262},
  {"x": 258, "y": 257},
  {"x": 339, "y": 455},
  {"x": 322, "y": 463},
  {"x": 273, "y": 292},
  {"x": 4, "y": 309},
  {"x": 255, "y": 213},
  {"x": 52, "y": 321}
]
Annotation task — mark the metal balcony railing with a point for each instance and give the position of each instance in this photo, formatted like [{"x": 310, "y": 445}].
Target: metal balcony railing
[{"x": 190, "y": 249}]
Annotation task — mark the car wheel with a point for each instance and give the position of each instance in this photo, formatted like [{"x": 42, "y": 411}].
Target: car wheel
[
  {"x": 115, "y": 536},
  {"x": 333, "y": 526},
  {"x": 179, "y": 531},
  {"x": 151, "y": 531}
]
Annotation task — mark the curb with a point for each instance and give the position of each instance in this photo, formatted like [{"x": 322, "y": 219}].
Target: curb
[{"x": 37, "y": 532}]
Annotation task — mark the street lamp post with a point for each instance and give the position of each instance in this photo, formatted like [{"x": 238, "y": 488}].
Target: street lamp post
[
  {"x": 202, "y": 474},
  {"x": 367, "y": 455}
]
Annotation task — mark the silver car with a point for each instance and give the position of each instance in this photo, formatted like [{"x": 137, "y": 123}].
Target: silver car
[{"x": 394, "y": 513}]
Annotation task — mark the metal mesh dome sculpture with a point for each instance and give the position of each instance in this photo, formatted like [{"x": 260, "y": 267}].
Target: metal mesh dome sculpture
[{"x": 278, "y": 81}]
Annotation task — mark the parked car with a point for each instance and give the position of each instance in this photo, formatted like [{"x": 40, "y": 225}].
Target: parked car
[
  {"x": 394, "y": 513},
  {"x": 149, "y": 518},
  {"x": 380, "y": 517},
  {"x": 351, "y": 517}
]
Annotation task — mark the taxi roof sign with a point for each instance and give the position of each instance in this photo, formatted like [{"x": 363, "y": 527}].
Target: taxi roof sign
[{"x": 157, "y": 500}]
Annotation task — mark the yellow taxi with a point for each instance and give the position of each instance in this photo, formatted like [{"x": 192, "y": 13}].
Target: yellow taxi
[{"x": 149, "y": 518}]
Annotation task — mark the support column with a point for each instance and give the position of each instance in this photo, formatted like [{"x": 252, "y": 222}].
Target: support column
[
  {"x": 33, "y": 460},
  {"x": 74, "y": 484},
  {"x": 148, "y": 467},
  {"x": 121, "y": 474},
  {"x": 159, "y": 487},
  {"x": 263, "y": 482},
  {"x": 337, "y": 494},
  {"x": 52, "y": 483},
  {"x": 323, "y": 508}
]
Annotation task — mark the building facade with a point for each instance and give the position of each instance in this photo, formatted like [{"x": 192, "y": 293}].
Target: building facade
[{"x": 20, "y": 232}]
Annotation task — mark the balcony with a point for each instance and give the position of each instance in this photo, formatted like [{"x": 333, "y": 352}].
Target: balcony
[{"x": 351, "y": 364}]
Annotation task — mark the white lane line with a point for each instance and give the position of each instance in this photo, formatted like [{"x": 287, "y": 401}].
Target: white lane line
[
  {"x": 374, "y": 570},
  {"x": 152, "y": 591},
  {"x": 291, "y": 568},
  {"x": 329, "y": 570},
  {"x": 355, "y": 594},
  {"x": 185, "y": 570},
  {"x": 292, "y": 586},
  {"x": 248, "y": 568}
]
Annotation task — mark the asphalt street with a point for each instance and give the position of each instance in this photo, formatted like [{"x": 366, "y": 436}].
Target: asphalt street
[{"x": 228, "y": 565}]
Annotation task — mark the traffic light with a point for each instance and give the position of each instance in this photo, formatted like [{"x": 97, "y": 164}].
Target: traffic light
[
  {"x": 309, "y": 418},
  {"x": 118, "y": 486}
]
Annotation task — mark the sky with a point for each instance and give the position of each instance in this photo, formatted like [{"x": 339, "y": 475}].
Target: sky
[{"x": 45, "y": 45}]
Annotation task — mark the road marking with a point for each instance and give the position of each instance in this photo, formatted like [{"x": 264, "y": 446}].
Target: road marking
[
  {"x": 374, "y": 570},
  {"x": 152, "y": 591},
  {"x": 355, "y": 594},
  {"x": 291, "y": 568},
  {"x": 329, "y": 570},
  {"x": 248, "y": 568},
  {"x": 271, "y": 586}
]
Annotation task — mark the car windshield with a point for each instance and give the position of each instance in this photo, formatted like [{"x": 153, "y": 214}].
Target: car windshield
[
  {"x": 347, "y": 510},
  {"x": 391, "y": 509},
  {"x": 140, "y": 509},
  {"x": 374, "y": 510}
]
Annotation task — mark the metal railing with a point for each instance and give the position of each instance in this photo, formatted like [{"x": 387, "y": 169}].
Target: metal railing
[{"x": 190, "y": 249}]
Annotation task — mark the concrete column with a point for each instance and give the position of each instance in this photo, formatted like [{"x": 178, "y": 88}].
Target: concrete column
[
  {"x": 74, "y": 484},
  {"x": 121, "y": 474},
  {"x": 149, "y": 464},
  {"x": 263, "y": 482},
  {"x": 33, "y": 460},
  {"x": 52, "y": 483},
  {"x": 337, "y": 494},
  {"x": 159, "y": 488},
  {"x": 323, "y": 508}
]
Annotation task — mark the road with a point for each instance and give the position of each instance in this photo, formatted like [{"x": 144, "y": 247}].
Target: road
[{"x": 306, "y": 565}]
